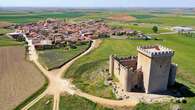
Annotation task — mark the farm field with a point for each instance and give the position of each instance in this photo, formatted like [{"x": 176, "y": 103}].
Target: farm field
[
  {"x": 34, "y": 17},
  {"x": 54, "y": 58},
  {"x": 145, "y": 28},
  {"x": 170, "y": 20},
  {"x": 46, "y": 103},
  {"x": 87, "y": 72},
  {"x": 5, "y": 41},
  {"x": 122, "y": 17},
  {"x": 68, "y": 102},
  {"x": 86, "y": 68},
  {"x": 19, "y": 78}
]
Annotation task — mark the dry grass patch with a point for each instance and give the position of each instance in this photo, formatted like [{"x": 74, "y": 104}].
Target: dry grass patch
[
  {"x": 122, "y": 17},
  {"x": 19, "y": 78},
  {"x": 4, "y": 24}
]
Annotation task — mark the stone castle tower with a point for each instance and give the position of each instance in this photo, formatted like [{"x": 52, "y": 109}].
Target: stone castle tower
[
  {"x": 151, "y": 71},
  {"x": 155, "y": 63}
]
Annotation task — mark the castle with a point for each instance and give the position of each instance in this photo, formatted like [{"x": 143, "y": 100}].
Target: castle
[{"x": 151, "y": 71}]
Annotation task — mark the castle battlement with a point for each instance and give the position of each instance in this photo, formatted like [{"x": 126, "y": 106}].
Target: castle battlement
[
  {"x": 125, "y": 58},
  {"x": 155, "y": 51}
]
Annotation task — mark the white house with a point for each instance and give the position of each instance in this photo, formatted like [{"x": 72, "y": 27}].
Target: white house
[{"x": 181, "y": 29}]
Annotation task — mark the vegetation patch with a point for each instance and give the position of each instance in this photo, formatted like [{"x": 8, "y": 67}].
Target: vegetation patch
[
  {"x": 46, "y": 103},
  {"x": 168, "y": 20},
  {"x": 78, "y": 103},
  {"x": 143, "y": 16},
  {"x": 55, "y": 58},
  {"x": 5, "y": 41},
  {"x": 145, "y": 28},
  {"x": 29, "y": 18}
]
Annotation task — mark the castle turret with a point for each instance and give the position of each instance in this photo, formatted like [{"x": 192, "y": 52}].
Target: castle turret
[{"x": 155, "y": 63}]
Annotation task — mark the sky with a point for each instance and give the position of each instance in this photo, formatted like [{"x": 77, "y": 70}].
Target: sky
[{"x": 97, "y": 3}]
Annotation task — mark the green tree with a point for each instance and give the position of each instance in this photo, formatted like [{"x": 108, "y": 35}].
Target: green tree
[{"x": 155, "y": 29}]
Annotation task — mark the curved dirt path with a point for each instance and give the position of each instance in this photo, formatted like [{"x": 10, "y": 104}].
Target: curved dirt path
[
  {"x": 58, "y": 85},
  {"x": 108, "y": 102}
]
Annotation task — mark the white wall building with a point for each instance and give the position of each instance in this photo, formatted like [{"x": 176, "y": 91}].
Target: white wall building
[{"x": 181, "y": 29}]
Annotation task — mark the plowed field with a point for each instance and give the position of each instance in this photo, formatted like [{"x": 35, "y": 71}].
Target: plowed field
[{"x": 19, "y": 78}]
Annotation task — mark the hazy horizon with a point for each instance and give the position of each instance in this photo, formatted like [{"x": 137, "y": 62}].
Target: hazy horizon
[{"x": 99, "y": 3}]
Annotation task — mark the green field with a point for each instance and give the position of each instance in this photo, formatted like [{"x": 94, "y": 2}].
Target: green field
[
  {"x": 4, "y": 31},
  {"x": 145, "y": 28},
  {"x": 5, "y": 41},
  {"x": 46, "y": 103},
  {"x": 86, "y": 72},
  {"x": 77, "y": 103},
  {"x": 54, "y": 58},
  {"x": 143, "y": 16},
  {"x": 170, "y": 20},
  {"x": 34, "y": 17},
  {"x": 87, "y": 67}
]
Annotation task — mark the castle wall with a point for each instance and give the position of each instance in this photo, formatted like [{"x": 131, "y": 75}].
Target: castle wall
[
  {"x": 172, "y": 75},
  {"x": 127, "y": 78},
  {"x": 124, "y": 79},
  {"x": 116, "y": 69},
  {"x": 111, "y": 64},
  {"x": 144, "y": 63},
  {"x": 159, "y": 74}
]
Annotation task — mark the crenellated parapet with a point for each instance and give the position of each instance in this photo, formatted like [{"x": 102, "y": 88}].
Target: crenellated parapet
[
  {"x": 124, "y": 58},
  {"x": 155, "y": 51}
]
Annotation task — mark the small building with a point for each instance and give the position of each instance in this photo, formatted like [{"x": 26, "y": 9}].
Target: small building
[
  {"x": 151, "y": 71},
  {"x": 181, "y": 29}
]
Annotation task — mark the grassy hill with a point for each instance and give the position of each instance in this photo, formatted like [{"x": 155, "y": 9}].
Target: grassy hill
[{"x": 86, "y": 75}]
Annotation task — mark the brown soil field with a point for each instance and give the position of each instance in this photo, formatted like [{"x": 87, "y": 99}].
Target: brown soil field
[
  {"x": 19, "y": 78},
  {"x": 122, "y": 17},
  {"x": 4, "y": 24}
]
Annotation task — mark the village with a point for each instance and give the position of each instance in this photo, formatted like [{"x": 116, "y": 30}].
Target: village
[{"x": 56, "y": 33}]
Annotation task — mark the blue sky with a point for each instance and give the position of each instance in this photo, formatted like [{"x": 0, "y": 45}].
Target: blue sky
[{"x": 98, "y": 3}]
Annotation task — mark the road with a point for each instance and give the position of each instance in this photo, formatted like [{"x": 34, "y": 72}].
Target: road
[{"x": 58, "y": 85}]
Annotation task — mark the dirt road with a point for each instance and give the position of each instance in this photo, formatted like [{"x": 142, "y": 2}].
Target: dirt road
[{"x": 58, "y": 85}]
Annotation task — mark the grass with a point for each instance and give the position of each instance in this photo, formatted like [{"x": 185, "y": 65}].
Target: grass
[
  {"x": 5, "y": 41},
  {"x": 4, "y": 31},
  {"x": 170, "y": 20},
  {"x": 29, "y": 18},
  {"x": 156, "y": 106},
  {"x": 46, "y": 103},
  {"x": 85, "y": 71},
  {"x": 143, "y": 16},
  {"x": 166, "y": 106},
  {"x": 145, "y": 28},
  {"x": 78, "y": 103},
  {"x": 55, "y": 58}
]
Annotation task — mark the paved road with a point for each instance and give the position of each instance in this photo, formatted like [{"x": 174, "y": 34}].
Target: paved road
[{"x": 58, "y": 85}]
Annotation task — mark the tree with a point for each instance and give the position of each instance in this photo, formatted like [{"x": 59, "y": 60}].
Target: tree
[{"x": 155, "y": 29}]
